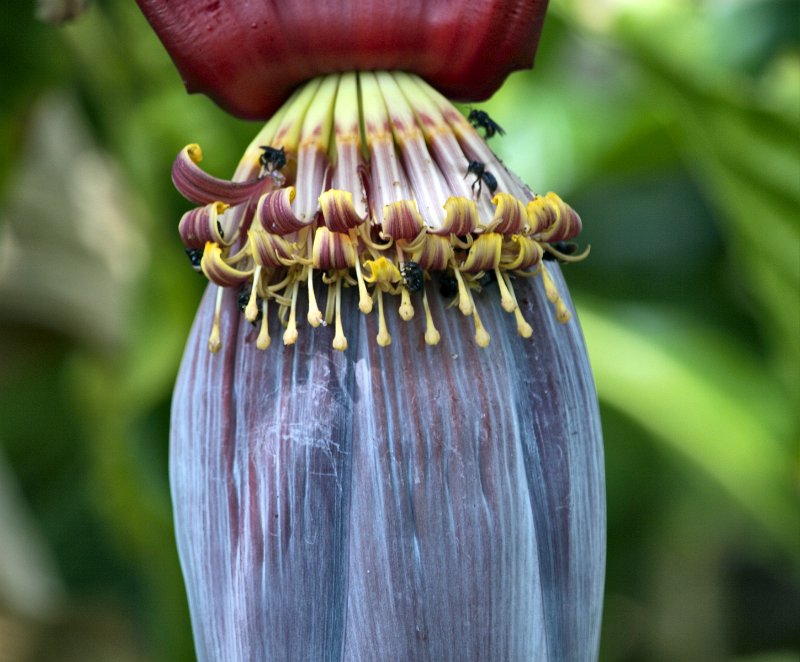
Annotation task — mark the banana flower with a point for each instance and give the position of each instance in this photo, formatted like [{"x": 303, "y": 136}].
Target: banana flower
[{"x": 385, "y": 441}]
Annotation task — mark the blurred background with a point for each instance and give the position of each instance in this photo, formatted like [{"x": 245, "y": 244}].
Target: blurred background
[{"x": 673, "y": 126}]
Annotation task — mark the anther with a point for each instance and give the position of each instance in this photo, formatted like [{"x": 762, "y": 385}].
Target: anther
[
  {"x": 339, "y": 340},
  {"x": 549, "y": 286},
  {"x": 290, "y": 335},
  {"x": 406, "y": 309},
  {"x": 364, "y": 299},
  {"x": 384, "y": 339},
  {"x": 314, "y": 314},
  {"x": 506, "y": 300},
  {"x": 523, "y": 328},
  {"x": 432, "y": 336},
  {"x": 263, "y": 341},
  {"x": 214, "y": 342},
  {"x": 251, "y": 311},
  {"x": 562, "y": 314},
  {"x": 482, "y": 337},
  {"x": 465, "y": 304}
]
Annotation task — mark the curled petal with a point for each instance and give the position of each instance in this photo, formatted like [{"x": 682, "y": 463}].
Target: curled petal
[
  {"x": 274, "y": 212},
  {"x": 484, "y": 254},
  {"x": 201, "y": 225},
  {"x": 338, "y": 210},
  {"x": 401, "y": 220},
  {"x": 197, "y": 186},
  {"x": 381, "y": 271},
  {"x": 461, "y": 216},
  {"x": 218, "y": 271},
  {"x": 434, "y": 253},
  {"x": 520, "y": 253},
  {"x": 332, "y": 250},
  {"x": 270, "y": 250},
  {"x": 552, "y": 219},
  {"x": 510, "y": 215}
]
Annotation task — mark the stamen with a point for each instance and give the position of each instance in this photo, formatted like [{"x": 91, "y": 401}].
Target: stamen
[
  {"x": 290, "y": 335},
  {"x": 251, "y": 311},
  {"x": 384, "y": 339},
  {"x": 465, "y": 304},
  {"x": 214, "y": 342},
  {"x": 406, "y": 309},
  {"x": 506, "y": 300},
  {"x": 329, "y": 303},
  {"x": 523, "y": 328},
  {"x": 482, "y": 337},
  {"x": 563, "y": 257},
  {"x": 263, "y": 341},
  {"x": 314, "y": 314},
  {"x": 562, "y": 314},
  {"x": 364, "y": 299},
  {"x": 432, "y": 336},
  {"x": 339, "y": 341},
  {"x": 550, "y": 290}
]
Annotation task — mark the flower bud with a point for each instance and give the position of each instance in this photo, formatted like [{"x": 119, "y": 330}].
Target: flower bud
[{"x": 416, "y": 473}]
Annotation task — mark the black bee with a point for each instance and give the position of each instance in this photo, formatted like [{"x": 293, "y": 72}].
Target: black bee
[
  {"x": 487, "y": 279},
  {"x": 448, "y": 285},
  {"x": 243, "y": 298},
  {"x": 481, "y": 120},
  {"x": 482, "y": 175},
  {"x": 412, "y": 276},
  {"x": 565, "y": 247},
  {"x": 219, "y": 229},
  {"x": 273, "y": 158},
  {"x": 195, "y": 255}
]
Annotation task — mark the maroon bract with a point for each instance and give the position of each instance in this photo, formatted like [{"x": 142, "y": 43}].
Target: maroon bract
[{"x": 249, "y": 56}]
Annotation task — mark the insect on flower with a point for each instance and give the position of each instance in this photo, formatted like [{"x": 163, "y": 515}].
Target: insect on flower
[
  {"x": 413, "y": 277},
  {"x": 195, "y": 256},
  {"x": 482, "y": 175},
  {"x": 272, "y": 158},
  {"x": 480, "y": 119},
  {"x": 448, "y": 286}
]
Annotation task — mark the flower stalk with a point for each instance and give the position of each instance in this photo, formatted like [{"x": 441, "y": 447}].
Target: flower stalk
[{"x": 413, "y": 471}]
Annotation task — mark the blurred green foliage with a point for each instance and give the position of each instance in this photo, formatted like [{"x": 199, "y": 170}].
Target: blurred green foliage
[{"x": 672, "y": 126}]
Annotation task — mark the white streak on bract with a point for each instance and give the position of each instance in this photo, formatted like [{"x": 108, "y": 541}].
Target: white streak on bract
[{"x": 407, "y": 503}]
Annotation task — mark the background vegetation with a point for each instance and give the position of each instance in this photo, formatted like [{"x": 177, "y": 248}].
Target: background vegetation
[{"x": 671, "y": 125}]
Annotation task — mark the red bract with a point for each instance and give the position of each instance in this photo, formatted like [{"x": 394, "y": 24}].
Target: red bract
[{"x": 249, "y": 56}]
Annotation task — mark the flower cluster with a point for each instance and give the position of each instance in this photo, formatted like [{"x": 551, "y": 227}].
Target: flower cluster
[{"x": 374, "y": 181}]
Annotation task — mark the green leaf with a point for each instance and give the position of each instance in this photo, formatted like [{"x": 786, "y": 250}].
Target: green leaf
[{"x": 704, "y": 399}]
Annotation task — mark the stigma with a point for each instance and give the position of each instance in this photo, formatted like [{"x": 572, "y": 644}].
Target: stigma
[{"x": 370, "y": 180}]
